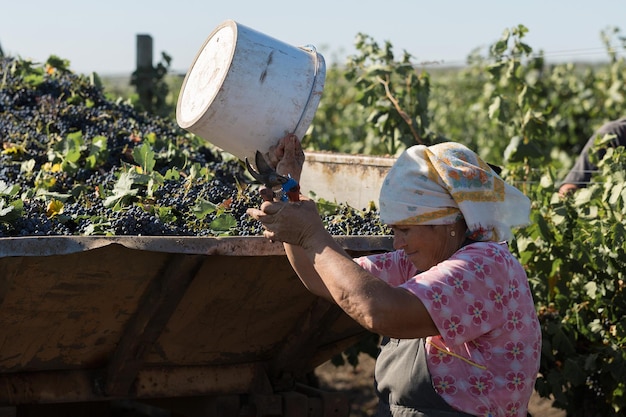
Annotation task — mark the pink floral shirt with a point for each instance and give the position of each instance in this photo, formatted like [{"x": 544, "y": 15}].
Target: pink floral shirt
[{"x": 486, "y": 358}]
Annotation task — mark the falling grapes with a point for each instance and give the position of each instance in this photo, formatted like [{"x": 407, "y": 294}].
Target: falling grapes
[{"x": 69, "y": 166}]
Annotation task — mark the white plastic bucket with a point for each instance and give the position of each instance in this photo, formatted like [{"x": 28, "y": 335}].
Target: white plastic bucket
[{"x": 246, "y": 90}]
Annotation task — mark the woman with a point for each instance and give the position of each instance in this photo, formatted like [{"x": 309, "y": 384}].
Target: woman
[{"x": 460, "y": 332}]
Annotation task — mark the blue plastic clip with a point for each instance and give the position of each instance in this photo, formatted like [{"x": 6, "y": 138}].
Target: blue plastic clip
[{"x": 287, "y": 186}]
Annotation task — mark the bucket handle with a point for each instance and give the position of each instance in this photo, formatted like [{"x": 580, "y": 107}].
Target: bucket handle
[{"x": 309, "y": 48}]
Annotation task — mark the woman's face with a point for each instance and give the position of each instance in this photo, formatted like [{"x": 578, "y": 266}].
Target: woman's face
[{"x": 426, "y": 246}]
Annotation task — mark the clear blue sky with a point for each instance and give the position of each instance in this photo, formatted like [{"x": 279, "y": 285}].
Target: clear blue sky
[{"x": 100, "y": 36}]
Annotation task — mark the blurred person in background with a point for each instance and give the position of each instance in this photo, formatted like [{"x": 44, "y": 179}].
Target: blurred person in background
[
  {"x": 460, "y": 333},
  {"x": 579, "y": 176}
]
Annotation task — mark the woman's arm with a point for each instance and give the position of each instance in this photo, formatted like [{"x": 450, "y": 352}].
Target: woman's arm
[
  {"x": 328, "y": 270},
  {"x": 306, "y": 272}
]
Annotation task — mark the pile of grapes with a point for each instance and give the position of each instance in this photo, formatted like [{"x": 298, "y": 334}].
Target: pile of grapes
[{"x": 75, "y": 161}]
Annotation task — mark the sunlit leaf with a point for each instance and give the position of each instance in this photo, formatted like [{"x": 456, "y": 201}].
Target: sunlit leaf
[{"x": 54, "y": 208}]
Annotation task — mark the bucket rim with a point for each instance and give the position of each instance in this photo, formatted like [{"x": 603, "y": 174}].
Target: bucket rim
[
  {"x": 234, "y": 25},
  {"x": 315, "y": 95}
]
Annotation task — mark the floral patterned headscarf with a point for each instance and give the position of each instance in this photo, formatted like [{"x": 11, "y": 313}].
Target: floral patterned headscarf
[{"x": 440, "y": 184}]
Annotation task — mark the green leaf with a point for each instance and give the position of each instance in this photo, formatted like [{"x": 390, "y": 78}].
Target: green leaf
[
  {"x": 68, "y": 151},
  {"x": 34, "y": 79},
  {"x": 8, "y": 190},
  {"x": 202, "y": 208},
  {"x": 544, "y": 229},
  {"x": 172, "y": 174},
  {"x": 591, "y": 289},
  {"x": 124, "y": 189},
  {"x": 5, "y": 210},
  {"x": 91, "y": 162},
  {"x": 223, "y": 223},
  {"x": 144, "y": 156},
  {"x": 165, "y": 214},
  {"x": 98, "y": 145},
  {"x": 12, "y": 211},
  {"x": 58, "y": 63},
  {"x": 494, "y": 108},
  {"x": 519, "y": 150},
  {"x": 28, "y": 166}
]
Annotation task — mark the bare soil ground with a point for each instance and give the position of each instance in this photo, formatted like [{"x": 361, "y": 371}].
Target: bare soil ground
[{"x": 358, "y": 384}]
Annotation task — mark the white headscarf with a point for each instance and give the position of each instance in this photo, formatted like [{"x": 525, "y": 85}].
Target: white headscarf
[{"x": 443, "y": 183}]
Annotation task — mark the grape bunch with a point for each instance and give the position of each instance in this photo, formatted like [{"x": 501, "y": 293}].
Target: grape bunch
[{"x": 75, "y": 161}]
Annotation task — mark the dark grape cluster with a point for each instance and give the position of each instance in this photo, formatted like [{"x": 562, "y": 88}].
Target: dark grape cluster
[
  {"x": 348, "y": 221},
  {"x": 70, "y": 150}
]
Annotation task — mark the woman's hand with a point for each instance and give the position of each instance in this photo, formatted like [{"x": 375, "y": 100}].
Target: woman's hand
[
  {"x": 294, "y": 223},
  {"x": 287, "y": 156}
]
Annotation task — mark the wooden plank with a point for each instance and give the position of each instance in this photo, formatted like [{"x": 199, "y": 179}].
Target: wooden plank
[
  {"x": 158, "y": 303},
  {"x": 77, "y": 386},
  {"x": 50, "y": 387},
  {"x": 202, "y": 380}
]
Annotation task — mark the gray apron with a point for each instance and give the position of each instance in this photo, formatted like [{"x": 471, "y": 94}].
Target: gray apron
[{"x": 403, "y": 383}]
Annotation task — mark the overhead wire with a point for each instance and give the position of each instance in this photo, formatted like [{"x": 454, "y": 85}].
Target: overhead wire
[{"x": 619, "y": 50}]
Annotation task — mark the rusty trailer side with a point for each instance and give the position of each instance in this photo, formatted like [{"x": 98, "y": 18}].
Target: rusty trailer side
[{"x": 164, "y": 320}]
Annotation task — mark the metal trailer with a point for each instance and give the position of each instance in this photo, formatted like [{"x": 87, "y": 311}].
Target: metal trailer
[{"x": 192, "y": 326}]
